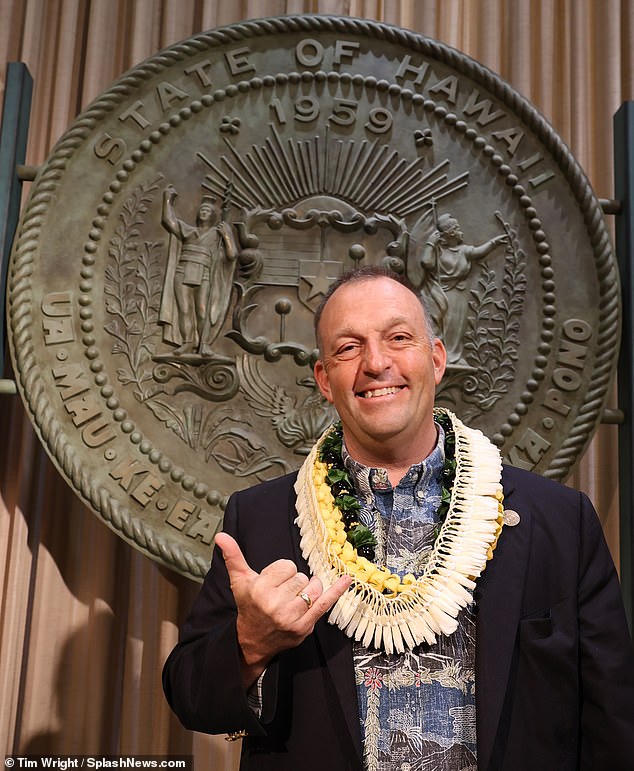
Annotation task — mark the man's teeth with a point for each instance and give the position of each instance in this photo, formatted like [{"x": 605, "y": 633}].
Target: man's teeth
[{"x": 381, "y": 392}]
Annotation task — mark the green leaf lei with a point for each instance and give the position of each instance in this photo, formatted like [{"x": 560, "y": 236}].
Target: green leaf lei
[{"x": 342, "y": 488}]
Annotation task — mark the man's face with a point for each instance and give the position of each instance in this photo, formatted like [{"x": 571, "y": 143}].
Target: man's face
[
  {"x": 206, "y": 214},
  {"x": 379, "y": 368}
]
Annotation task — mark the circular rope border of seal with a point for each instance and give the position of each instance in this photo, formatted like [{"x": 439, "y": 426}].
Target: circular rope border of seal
[{"x": 20, "y": 307}]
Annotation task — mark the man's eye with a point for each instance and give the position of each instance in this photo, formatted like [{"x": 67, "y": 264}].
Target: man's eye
[{"x": 347, "y": 350}]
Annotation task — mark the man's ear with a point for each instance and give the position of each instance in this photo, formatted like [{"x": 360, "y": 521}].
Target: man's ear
[
  {"x": 439, "y": 358},
  {"x": 321, "y": 378}
]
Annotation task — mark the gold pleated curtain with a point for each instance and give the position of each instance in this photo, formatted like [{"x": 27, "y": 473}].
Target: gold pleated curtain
[{"x": 86, "y": 621}]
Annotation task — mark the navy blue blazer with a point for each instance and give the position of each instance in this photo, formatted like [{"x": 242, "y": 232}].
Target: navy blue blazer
[{"x": 554, "y": 659}]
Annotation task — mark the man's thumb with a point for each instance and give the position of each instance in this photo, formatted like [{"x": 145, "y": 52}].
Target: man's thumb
[{"x": 232, "y": 555}]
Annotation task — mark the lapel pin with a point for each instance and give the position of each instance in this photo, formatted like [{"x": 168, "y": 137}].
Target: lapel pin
[{"x": 511, "y": 518}]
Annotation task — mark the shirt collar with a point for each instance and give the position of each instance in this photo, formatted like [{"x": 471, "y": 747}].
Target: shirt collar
[{"x": 369, "y": 480}]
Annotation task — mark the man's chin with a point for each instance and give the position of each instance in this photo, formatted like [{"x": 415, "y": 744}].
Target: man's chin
[{"x": 383, "y": 435}]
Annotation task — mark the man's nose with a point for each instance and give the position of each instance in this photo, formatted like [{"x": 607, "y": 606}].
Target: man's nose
[{"x": 376, "y": 357}]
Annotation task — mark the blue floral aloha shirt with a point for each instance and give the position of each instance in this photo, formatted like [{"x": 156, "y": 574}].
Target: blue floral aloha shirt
[{"x": 417, "y": 709}]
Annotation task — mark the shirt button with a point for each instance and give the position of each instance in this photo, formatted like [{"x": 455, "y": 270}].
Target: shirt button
[{"x": 420, "y": 494}]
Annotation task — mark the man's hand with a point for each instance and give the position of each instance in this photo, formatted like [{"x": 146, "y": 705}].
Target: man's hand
[{"x": 272, "y": 617}]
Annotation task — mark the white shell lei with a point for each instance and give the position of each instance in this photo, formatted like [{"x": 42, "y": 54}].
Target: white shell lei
[{"x": 430, "y": 605}]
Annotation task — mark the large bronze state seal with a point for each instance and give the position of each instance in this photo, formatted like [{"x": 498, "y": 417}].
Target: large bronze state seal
[{"x": 178, "y": 239}]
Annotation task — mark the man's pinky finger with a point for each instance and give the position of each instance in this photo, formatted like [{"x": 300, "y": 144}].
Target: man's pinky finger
[{"x": 325, "y": 601}]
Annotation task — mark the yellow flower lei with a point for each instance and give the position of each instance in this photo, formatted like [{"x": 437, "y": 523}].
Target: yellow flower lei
[{"x": 381, "y": 608}]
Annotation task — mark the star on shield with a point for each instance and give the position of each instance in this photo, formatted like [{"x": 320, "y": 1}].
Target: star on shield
[{"x": 316, "y": 277}]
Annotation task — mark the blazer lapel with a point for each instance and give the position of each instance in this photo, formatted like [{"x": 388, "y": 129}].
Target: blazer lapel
[
  {"x": 340, "y": 685},
  {"x": 336, "y": 651},
  {"x": 498, "y": 598}
]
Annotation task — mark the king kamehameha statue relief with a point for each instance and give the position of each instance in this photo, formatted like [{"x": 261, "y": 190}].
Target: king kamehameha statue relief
[{"x": 200, "y": 269}]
